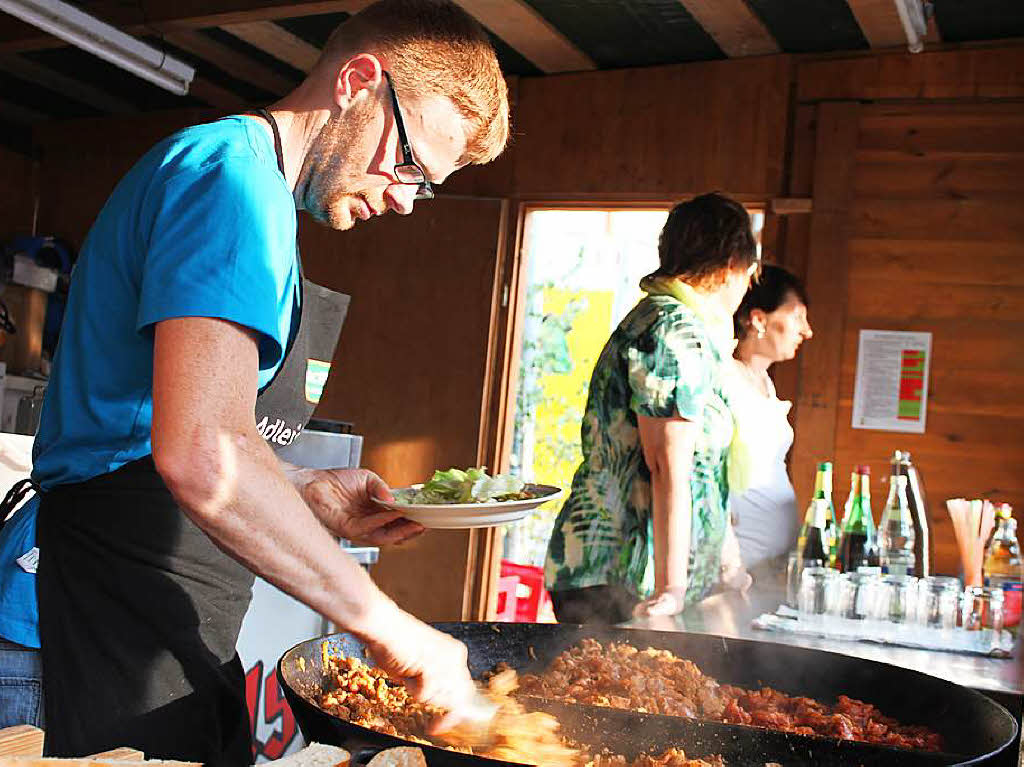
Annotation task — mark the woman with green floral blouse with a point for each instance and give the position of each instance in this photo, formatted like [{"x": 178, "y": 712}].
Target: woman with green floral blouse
[{"x": 645, "y": 529}]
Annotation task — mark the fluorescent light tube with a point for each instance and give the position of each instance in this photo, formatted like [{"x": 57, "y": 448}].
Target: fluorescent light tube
[
  {"x": 97, "y": 37},
  {"x": 915, "y": 26}
]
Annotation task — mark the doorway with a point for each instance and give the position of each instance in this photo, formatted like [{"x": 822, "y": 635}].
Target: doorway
[{"x": 581, "y": 273}]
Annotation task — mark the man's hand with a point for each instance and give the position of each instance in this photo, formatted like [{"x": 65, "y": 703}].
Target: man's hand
[
  {"x": 342, "y": 499},
  {"x": 432, "y": 664}
]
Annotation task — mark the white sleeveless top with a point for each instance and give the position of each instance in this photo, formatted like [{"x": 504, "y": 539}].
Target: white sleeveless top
[{"x": 764, "y": 514}]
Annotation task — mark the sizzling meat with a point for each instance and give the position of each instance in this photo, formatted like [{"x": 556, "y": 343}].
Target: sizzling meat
[
  {"x": 367, "y": 697},
  {"x": 656, "y": 681}
]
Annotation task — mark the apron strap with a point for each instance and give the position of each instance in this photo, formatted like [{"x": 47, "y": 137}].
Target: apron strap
[
  {"x": 279, "y": 151},
  {"x": 18, "y": 492}
]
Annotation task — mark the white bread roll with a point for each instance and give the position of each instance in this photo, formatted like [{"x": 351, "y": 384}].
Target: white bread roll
[{"x": 315, "y": 755}]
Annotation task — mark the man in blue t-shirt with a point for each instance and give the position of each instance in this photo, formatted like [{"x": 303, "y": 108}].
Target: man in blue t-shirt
[{"x": 159, "y": 491}]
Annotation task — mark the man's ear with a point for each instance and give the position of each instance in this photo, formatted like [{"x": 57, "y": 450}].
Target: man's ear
[{"x": 359, "y": 77}]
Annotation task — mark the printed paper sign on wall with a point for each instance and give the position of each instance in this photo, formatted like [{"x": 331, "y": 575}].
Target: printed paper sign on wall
[{"x": 891, "y": 389}]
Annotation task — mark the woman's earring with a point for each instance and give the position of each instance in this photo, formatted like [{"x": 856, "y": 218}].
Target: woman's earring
[{"x": 760, "y": 332}]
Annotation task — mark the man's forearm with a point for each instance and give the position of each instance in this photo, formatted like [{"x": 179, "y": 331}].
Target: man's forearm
[
  {"x": 297, "y": 476},
  {"x": 257, "y": 515}
]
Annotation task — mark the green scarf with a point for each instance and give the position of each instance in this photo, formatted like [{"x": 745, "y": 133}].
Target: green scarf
[
  {"x": 717, "y": 322},
  {"x": 719, "y": 327}
]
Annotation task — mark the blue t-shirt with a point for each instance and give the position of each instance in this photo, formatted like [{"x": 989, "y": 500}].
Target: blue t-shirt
[{"x": 202, "y": 226}]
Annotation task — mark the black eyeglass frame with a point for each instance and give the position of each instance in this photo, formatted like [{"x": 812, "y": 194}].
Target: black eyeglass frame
[{"x": 408, "y": 171}]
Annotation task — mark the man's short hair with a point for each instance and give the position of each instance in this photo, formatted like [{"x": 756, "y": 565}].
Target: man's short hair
[{"x": 433, "y": 48}]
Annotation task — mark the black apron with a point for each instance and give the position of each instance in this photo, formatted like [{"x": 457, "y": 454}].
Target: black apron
[{"x": 139, "y": 611}]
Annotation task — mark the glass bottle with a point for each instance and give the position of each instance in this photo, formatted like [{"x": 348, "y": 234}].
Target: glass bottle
[
  {"x": 857, "y": 541},
  {"x": 823, "y": 491},
  {"x": 896, "y": 531},
  {"x": 812, "y": 543},
  {"x": 918, "y": 502},
  {"x": 1002, "y": 567}
]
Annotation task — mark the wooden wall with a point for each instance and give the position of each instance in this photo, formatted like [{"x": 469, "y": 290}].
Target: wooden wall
[
  {"x": 16, "y": 199},
  {"x": 932, "y": 233},
  {"x": 641, "y": 134}
]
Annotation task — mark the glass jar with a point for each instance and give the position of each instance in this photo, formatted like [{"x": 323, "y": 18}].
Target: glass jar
[
  {"x": 894, "y": 599},
  {"x": 855, "y": 591},
  {"x": 983, "y": 608},
  {"x": 938, "y": 602},
  {"x": 818, "y": 590},
  {"x": 794, "y": 569}
]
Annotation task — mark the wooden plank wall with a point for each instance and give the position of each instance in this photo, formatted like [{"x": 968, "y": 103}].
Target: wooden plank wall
[
  {"x": 935, "y": 242},
  {"x": 16, "y": 198},
  {"x": 655, "y": 133},
  {"x": 826, "y": 282}
]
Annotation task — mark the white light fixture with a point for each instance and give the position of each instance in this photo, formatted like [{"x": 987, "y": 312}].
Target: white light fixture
[
  {"x": 915, "y": 25},
  {"x": 90, "y": 34}
]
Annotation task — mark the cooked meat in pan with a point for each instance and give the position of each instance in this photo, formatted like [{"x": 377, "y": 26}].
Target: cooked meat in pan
[
  {"x": 368, "y": 697},
  {"x": 618, "y": 675}
]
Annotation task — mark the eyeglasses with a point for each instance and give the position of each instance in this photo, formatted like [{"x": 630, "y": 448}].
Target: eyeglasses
[{"x": 408, "y": 171}]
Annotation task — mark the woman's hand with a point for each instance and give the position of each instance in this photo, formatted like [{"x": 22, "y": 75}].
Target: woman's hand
[
  {"x": 342, "y": 499},
  {"x": 737, "y": 578},
  {"x": 734, "y": 574},
  {"x": 667, "y": 601}
]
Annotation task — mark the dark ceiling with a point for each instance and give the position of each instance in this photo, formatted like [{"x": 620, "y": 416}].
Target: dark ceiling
[{"x": 244, "y": 51}]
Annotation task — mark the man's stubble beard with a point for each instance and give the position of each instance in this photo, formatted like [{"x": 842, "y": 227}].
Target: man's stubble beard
[{"x": 332, "y": 166}]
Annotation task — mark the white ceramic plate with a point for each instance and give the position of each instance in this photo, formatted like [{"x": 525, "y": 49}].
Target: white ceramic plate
[{"x": 453, "y": 516}]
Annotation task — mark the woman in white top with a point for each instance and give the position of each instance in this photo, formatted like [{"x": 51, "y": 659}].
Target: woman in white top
[{"x": 770, "y": 325}]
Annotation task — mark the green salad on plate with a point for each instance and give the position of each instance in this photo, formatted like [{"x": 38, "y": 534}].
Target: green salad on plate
[{"x": 473, "y": 485}]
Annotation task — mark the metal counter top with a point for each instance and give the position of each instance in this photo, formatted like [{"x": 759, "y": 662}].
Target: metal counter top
[{"x": 730, "y": 613}]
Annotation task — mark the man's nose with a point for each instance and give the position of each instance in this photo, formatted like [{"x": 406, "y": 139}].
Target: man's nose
[{"x": 399, "y": 198}]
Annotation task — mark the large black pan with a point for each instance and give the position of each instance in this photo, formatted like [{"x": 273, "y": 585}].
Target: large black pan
[{"x": 975, "y": 728}]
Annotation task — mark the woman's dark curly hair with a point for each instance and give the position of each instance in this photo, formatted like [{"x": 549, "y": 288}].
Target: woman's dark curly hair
[
  {"x": 705, "y": 236},
  {"x": 770, "y": 291}
]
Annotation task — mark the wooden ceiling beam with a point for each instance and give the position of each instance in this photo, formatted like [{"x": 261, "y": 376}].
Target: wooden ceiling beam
[
  {"x": 880, "y": 22},
  {"x": 277, "y": 41},
  {"x": 17, "y": 36},
  {"x": 82, "y": 92},
  {"x": 733, "y": 26},
  {"x": 238, "y": 65},
  {"x": 519, "y": 25}
]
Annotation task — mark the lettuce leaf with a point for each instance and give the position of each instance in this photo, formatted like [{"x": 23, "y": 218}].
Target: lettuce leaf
[{"x": 473, "y": 485}]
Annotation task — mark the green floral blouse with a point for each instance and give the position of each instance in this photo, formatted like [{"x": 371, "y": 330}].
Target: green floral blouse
[{"x": 659, "y": 362}]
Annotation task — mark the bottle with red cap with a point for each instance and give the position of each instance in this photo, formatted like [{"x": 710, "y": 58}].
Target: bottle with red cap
[{"x": 858, "y": 542}]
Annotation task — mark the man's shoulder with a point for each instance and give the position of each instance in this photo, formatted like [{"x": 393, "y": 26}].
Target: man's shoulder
[{"x": 229, "y": 144}]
